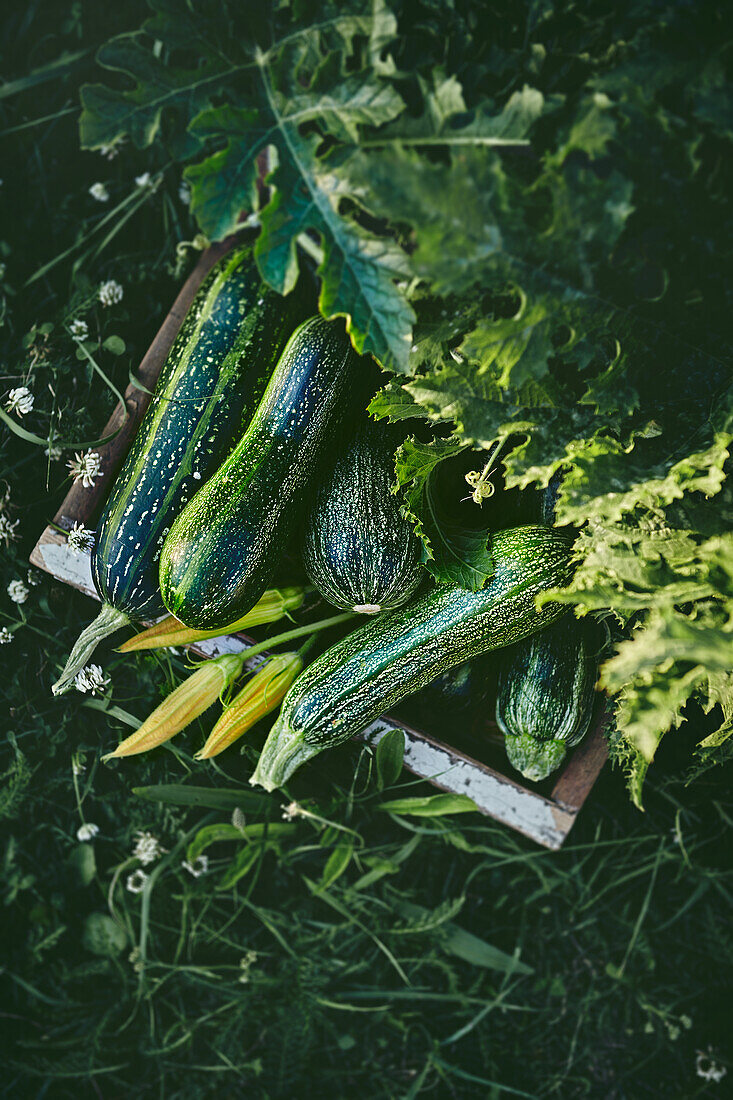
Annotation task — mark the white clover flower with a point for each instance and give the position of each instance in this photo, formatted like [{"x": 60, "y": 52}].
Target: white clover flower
[
  {"x": 80, "y": 539},
  {"x": 147, "y": 848},
  {"x": 198, "y": 867},
  {"x": 5, "y": 636},
  {"x": 85, "y": 467},
  {"x": 20, "y": 401},
  {"x": 110, "y": 293},
  {"x": 18, "y": 592},
  {"x": 136, "y": 881},
  {"x": 87, "y": 831},
  {"x": 91, "y": 679},
  {"x": 7, "y": 529},
  {"x": 79, "y": 329},
  {"x": 707, "y": 1068},
  {"x": 184, "y": 193},
  {"x": 99, "y": 192},
  {"x": 144, "y": 180},
  {"x": 246, "y": 963}
]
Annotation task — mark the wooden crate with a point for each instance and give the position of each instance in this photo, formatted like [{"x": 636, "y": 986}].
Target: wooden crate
[{"x": 545, "y": 817}]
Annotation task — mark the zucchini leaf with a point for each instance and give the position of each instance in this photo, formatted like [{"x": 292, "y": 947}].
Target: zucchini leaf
[{"x": 453, "y": 554}]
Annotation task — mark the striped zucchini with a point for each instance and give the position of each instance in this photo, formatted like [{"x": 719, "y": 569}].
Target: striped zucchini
[
  {"x": 545, "y": 695},
  {"x": 358, "y": 549},
  {"x": 223, "y": 548},
  {"x": 396, "y": 654},
  {"x": 208, "y": 388}
]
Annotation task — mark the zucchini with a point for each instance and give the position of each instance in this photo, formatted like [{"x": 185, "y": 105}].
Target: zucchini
[
  {"x": 224, "y": 546},
  {"x": 396, "y": 654},
  {"x": 359, "y": 550},
  {"x": 545, "y": 694},
  {"x": 208, "y": 388}
]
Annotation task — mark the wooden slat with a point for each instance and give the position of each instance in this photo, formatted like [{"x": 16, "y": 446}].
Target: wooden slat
[{"x": 582, "y": 769}]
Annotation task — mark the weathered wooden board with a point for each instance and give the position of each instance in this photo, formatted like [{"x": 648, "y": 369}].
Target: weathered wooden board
[{"x": 546, "y": 819}]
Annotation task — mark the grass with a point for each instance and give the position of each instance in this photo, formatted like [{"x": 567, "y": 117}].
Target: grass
[{"x": 359, "y": 953}]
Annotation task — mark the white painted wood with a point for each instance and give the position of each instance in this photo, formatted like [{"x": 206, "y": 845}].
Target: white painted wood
[
  {"x": 523, "y": 810},
  {"x": 73, "y": 568}
]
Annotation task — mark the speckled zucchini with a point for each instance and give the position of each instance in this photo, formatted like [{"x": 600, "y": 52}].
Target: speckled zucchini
[
  {"x": 223, "y": 548},
  {"x": 546, "y": 692},
  {"x": 358, "y": 549},
  {"x": 396, "y": 654},
  {"x": 208, "y": 388}
]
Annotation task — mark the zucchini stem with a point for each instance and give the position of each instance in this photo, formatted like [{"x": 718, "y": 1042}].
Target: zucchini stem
[
  {"x": 297, "y": 632},
  {"x": 107, "y": 622}
]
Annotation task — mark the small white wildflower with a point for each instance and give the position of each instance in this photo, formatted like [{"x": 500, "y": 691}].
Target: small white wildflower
[
  {"x": 136, "y": 881},
  {"x": 134, "y": 959},
  {"x": 20, "y": 401},
  {"x": 79, "y": 329},
  {"x": 85, "y": 467},
  {"x": 7, "y": 529},
  {"x": 5, "y": 636},
  {"x": 110, "y": 293},
  {"x": 80, "y": 539},
  {"x": 33, "y": 578},
  {"x": 88, "y": 831},
  {"x": 291, "y": 811},
  {"x": 707, "y": 1068},
  {"x": 246, "y": 963},
  {"x": 198, "y": 867},
  {"x": 99, "y": 192},
  {"x": 18, "y": 592},
  {"x": 91, "y": 679},
  {"x": 147, "y": 848},
  {"x": 144, "y": 180},
  {"x": 184, "y": 193},
  {"x": 109, "y": 152}
]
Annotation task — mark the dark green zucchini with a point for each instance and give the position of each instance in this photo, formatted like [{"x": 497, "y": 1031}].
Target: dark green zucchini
[
  {"x": 396, "y": 654},
  {"x": 222, "y": 550},
  {"x": 208, "y": 388},
  {"x": 358, "y": 549},
  {"x": 546, "y": 692}
]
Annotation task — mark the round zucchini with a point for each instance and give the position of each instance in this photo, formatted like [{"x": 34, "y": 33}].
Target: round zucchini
[
  {"x": 546, "y": 692},
  {"x": 358, "y": 549}
]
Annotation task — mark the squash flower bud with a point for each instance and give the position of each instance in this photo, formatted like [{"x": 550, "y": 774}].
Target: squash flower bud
[
  {"x": 186, "y": 702},
  {"x": 271, "y": 606},
  {"x": 262, "y": 693}
]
